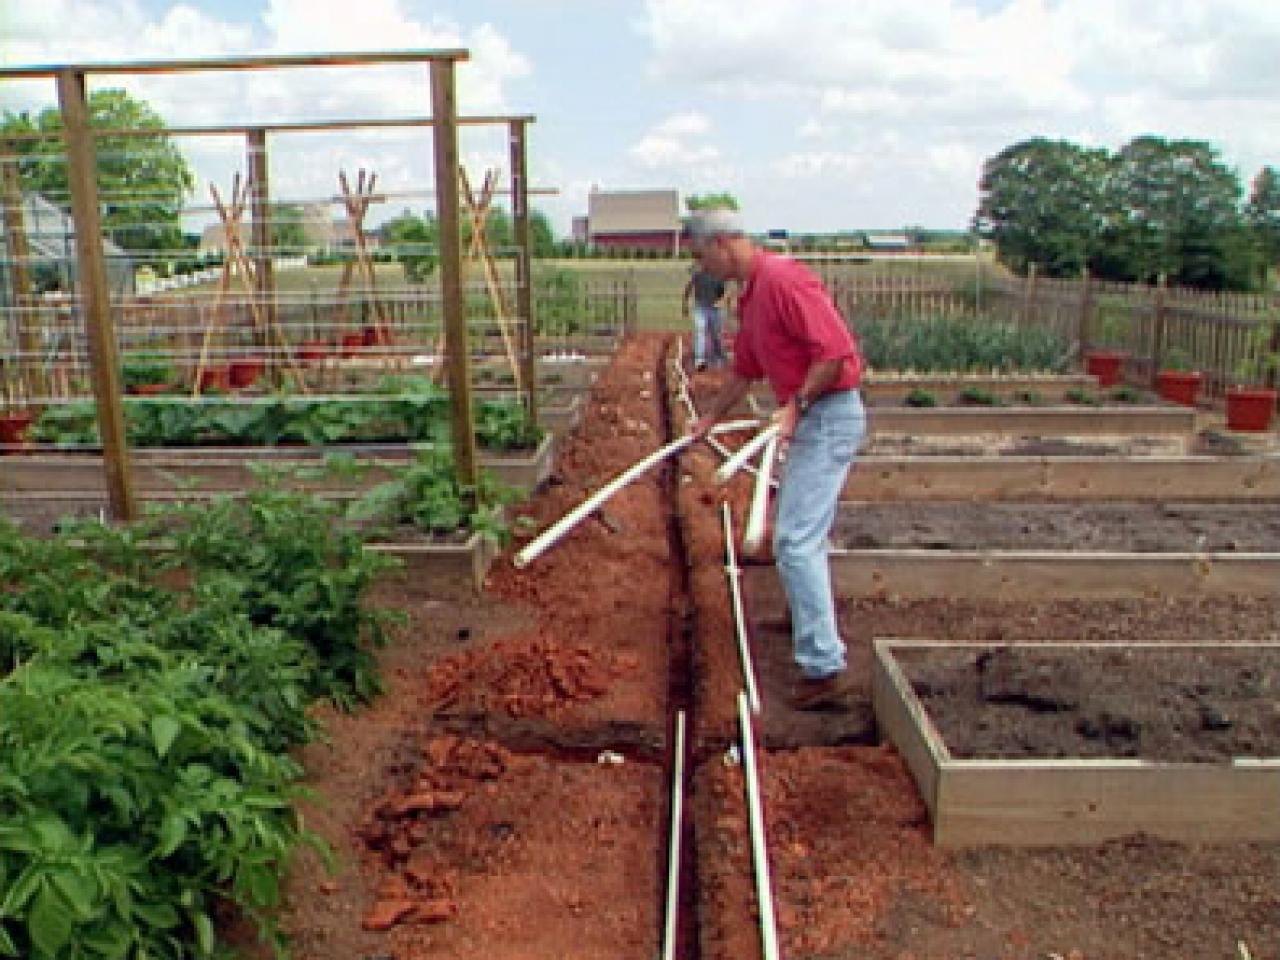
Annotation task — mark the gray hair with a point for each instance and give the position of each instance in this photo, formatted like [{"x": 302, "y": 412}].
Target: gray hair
[{"x": 711, "y": 222}]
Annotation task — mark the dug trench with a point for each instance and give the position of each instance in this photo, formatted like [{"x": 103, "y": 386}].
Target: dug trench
[{"x": 507, "y": 797}]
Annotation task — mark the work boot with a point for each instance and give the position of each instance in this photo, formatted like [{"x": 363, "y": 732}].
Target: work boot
[{"x": 821, "y": 693}]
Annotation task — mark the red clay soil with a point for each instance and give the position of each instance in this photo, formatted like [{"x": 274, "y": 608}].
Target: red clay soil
[{"x": 507, "y": 797}]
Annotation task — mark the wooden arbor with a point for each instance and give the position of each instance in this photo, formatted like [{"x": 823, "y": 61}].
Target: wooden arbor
[{"x": 79, "y": 138}]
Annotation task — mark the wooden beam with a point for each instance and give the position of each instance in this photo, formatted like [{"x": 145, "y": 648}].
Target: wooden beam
[
  {"x": 523, "y": 265},
  {"x": 264, "y": 273},
  {"x": 457, "y": 351},
  {"x": 448, "y": 56},
  {"x": 95, "y": 294}
]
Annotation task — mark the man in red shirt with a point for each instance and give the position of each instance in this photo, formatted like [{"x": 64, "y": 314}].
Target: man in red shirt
[{"x": 791, "y": 334}]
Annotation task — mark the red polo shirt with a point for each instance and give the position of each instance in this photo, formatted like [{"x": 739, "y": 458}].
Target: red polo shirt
[{"x": 787, "y": 323}]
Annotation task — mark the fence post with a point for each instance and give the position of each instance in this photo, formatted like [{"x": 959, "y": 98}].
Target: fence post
[
  {"x": 1158, "y": 329},
  {"x": 1084, "y": 336},
  {"x": 1029, "y": 296}
]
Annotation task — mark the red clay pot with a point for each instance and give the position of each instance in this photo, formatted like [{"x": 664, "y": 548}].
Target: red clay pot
[
  {"x": 1180, "y": 386},
  {"x": 352, "y": 344},
  {"x": 376, "y": 335},
  {"x": 13, "y": 428},
  {"x": 313, "y": 350},
  {"x": 215, "y": 378},
  {"x": 1250, "y": 408},
  {"x": 146, "y": 389},
  {"x": 1106, "y": 365},
  {"x": 245, "y": 372}
]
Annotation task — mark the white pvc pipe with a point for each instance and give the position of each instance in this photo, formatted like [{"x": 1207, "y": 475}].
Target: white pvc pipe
[
  {"x": 754, "y": 532},
  {"x": 745, "y": 452},
  {"x": 734, "y": 573},
  {"x": 759, "y": 848},
  {"x": 732, "y": 426},
  {"x": 548, "y": 537},
  {"x": 673, "y": 842}
]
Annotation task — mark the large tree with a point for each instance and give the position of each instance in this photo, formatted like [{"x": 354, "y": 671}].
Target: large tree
[
  {"x": 1174, "y": 210},
  {"x": 1041, "y": 202},
  {"x": 143, "y": 180},
  {"x": 705, "y": 201}
]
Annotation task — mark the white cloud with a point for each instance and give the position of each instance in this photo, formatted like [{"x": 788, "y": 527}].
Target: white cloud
[{"x": 673, "y": 143}]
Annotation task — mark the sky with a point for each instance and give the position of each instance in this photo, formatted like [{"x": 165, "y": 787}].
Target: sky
[{"x": 817, "y": 115}]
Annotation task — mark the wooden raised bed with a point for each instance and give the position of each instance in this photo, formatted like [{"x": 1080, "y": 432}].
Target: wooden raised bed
[
  {"x": 1072, "y": 421},
  {"x": 1067, "y": 801},
  {"x": 889, "y": 388},
  {"x": 1063, "y": 478},
  {"x": 440, "y": 570},
  {"x": 1038, "y": 575},
  {"x": 163, "y": 472}
]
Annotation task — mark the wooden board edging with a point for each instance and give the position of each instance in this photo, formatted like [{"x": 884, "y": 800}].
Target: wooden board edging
[
  {"x": 1063, "y": 478},
  {"x": 1068, "y": 801}
]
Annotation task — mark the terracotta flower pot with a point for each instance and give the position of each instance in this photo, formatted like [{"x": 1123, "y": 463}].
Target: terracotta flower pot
[
  {"x": 376, "y": 335},
  {"x": 1250, "y": 408},
  {"x": 215, "y": 378},
  {"x": 352, "y": 344},
  {"x": 245, "y": 372},
  {"x": 13, "y": 428},
  {"x": 146, "y": 389},
  {"x": 1180, "y": 386},
  {"x": 1106, "y": 365},
  {"x": 312, "y": 351}
]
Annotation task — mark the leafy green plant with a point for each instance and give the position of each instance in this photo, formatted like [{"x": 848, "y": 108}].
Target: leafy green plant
[
  {"x": 978, "y": 397},
  {"x": 1127, "y": 394},
  {"x": 425, "y": 495},
  {"x": 1030, "y": 398},
  {"x": 951, "y": 345},
  {"x": 1081, "y": 396},
  {"x": 1176, "y": 358},
  {"x": 920, "y": 398},
  {"x": 141, "y": 369}
]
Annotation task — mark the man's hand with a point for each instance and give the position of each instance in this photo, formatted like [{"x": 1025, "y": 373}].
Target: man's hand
[
  {"x": 702, "y": 426},
  {"x": 786, "y": 418}
]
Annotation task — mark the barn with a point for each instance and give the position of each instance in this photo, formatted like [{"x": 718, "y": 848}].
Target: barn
[{"x": 634, "y": 220}]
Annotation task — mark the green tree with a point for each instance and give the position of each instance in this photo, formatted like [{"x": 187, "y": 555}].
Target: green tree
[
  {"x": 142, "y": 180},
  {"x": 288, "y": 235},
  {"x": 1262, "y": 213},
  {"x": 704, "y": 201},
  {"x": 541, "y": 237},
  {"x": 413, "y": 241},
  {"x": 1041, "y": 202},
  {"x": 1173, "y": 209}
]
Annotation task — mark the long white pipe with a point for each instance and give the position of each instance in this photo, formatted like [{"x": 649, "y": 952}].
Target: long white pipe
[
  {"x": 754, "y": 532},
  {"x": 759, "y": 848},
  {"x": 734, "y": 573},
  {"x": 673, "y": 842},
  {"x": 548, "y": 537},
  {"x": 745, "y": 452}
]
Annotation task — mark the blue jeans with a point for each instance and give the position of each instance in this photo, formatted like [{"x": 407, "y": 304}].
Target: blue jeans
[
  {"x": 818, "y": 461},
  {"x": 707, "y": 344}
]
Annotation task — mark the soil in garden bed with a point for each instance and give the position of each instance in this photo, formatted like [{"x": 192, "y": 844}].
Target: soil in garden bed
[
  {"x": 1118, "y": 527},
  {"x": 1187, "y": 704}
]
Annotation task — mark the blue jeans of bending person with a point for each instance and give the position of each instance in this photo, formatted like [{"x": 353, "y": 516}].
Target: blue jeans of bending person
[
  {"x": 822, "y": 450},
  {"x": 708, "y": 345}
]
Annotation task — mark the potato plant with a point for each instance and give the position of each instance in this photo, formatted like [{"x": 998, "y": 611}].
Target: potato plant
[{"x": 148, "y": 704}]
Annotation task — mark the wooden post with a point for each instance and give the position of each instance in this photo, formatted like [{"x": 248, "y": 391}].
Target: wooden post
[
  {"x": 1160, "y": 319},
  {"x": 19, "y": 256},
  {"x": 264, "y": 274},
  {"x": 1085, "y": 332},
  {"x": 1029, "y": 296},
  {"x": 457, "y": 349},
  {"x": 523, "y": 265},
  {"x": 95, "y": 295}
]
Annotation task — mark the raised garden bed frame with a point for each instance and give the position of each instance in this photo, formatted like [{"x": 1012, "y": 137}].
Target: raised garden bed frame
[{"x": 1067, "y": 801}]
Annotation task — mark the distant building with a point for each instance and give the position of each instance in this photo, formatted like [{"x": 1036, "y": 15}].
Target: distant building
[
  {"x": 321, "y": 231},
  {"x": 634, "y": 220},
  {"x": 51, "y": 246},
  {"x": 888, "y": 242}
]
